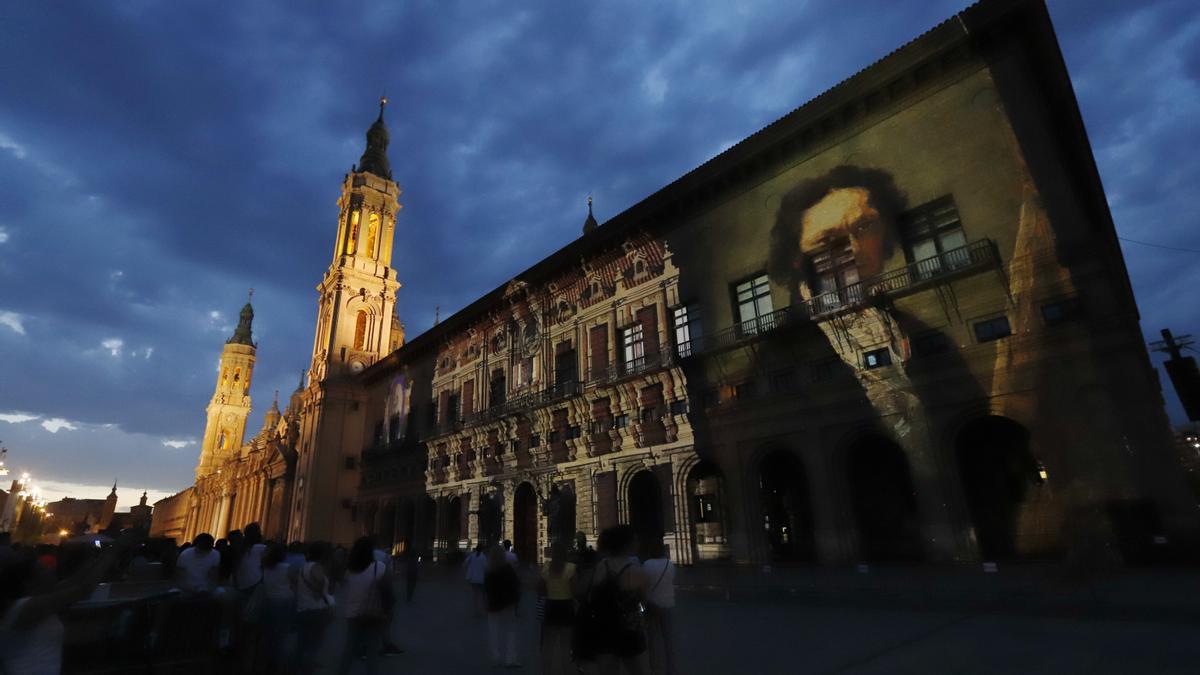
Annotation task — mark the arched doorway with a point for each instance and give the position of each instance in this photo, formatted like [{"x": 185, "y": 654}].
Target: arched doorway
[
  {"x": 560, "y": 515},
  {"x": 787, "y": 508},
  {"x": 706, "y": 504},
  {"x": 885, "y": 503},
  {"x": 489, "y": 521},
  {"x": 525, "y": 524},
  {"x": 998, "y": 473},
  {"x": 645, "y": 509}
]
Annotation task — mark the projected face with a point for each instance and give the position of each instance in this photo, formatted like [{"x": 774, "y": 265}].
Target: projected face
[{"x": 846, "y": 215}]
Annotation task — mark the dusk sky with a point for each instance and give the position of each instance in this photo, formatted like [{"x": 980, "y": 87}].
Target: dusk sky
[{"x": 157, "y": 159}]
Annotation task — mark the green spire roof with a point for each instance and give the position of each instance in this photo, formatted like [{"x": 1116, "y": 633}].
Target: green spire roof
[{"x": 241, "y": 334}]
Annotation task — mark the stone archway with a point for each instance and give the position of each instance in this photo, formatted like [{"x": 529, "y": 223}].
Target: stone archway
[
  {"x": 787, "y": 518},
  {"x": 490, "y": 521},
  {"x": 525, "y": 524},
  {"x": 705, "y": 490},
  {"x": 646, "y": 509},
  {"x": 999, "y": 474},
  {"x": 884, "y": 501}
]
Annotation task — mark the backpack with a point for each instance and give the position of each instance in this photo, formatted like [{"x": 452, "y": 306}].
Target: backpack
[{"x": 608, "y": 617}]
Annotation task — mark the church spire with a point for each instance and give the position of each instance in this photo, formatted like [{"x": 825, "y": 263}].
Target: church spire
[
  {"x": 241, "y": 334},
  {"x": 590, "y": 224},
  {"x": 374, "y": 159}
]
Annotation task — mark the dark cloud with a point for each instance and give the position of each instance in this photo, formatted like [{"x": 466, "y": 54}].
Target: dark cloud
[{"x": 156, "y": 161}]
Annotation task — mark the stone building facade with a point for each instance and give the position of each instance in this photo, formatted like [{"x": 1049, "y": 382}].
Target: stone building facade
[{"x": 894, "y": 325}]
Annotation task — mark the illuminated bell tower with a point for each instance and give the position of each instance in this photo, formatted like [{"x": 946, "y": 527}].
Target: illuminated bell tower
[
  {"x": 358, "y": 294},
  {"x": 230, "y": 405},
  {"x": 355, "y": 313}
]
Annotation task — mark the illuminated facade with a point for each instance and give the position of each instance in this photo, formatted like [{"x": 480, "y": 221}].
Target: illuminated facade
[{"x": 893, "y": 325}]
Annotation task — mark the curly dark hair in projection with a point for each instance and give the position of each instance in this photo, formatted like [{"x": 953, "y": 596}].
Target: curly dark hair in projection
[{"x": 785, "y": 264}]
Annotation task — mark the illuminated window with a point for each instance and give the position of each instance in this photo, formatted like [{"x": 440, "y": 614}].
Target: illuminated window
[
  {"x": 835, "y": 277},
  {"x": 754, "y": 306},
  {"x": 687, "y": 330},
  {"x": 223, "y": 440},
  {"x": 352, "y": 238},
  {"x": 225, "y": 376},
  {"x": 934, "y": 239},
  {"x": 237, "y": 375},
  {"x": 372, "y": 233},
  {"x": 360, "y": 329},
  {"x": 635, "y": 346},
  {"x": 877, "y": 358}
]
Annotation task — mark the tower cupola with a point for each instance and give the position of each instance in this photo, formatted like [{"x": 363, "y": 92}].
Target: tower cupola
[{"x": 374, "y": 159}]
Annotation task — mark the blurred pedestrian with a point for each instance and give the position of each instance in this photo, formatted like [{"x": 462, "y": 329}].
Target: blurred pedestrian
[
  {"x": 367, "y": 599},
  {"x": 412, "y": 571},
  {"x": 609, "y": 627},
  {"x": 475, "y": 568},
  {"x": 502, "y": 590},
  {"x": 558, "y": 613},
  {"x": 314, "y": 606},
  {"x": 197, "y": 567},
  {"x": 660, "y": 601},
  {"x": 278, "y": 598}
]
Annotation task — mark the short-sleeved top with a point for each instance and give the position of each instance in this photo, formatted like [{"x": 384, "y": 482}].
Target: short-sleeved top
[
  {"x": 308, "y": 597},
  {"x": 660, "y": 575},
  {"x": 249, "y": 571},
  {"x": 476, "y": 566},
  {"x": 196, "y": 570},
  {"x": 558, "y": 587},
  {"x": 357, "y": 588}
]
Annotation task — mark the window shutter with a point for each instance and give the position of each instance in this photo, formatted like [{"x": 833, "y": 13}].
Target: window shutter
[
  {"x": 598, "y": 349},
  {"x": 648, "y": 317},
  {"x": 606, "y": 499}
]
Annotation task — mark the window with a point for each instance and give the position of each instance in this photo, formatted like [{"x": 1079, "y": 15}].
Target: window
[
  {"x": 784, "y": 381},
  {"x": 620, "y": 421},
  {"x": 745, "y": 391},
  {"x": 452, "y": 409},
  {"x": 432, "y": 416},
  {"x": 687, "y": 330},
  {"x": 360, "y": 329},
  {"x": 515, "y": 445},
  {"x": 835, "y": 277},
  {"x": 535, "y": 441},
  {"x": 574, "y": 431},
  {"x": 352, "y": 236},
  {"x": 1063, "y": 311},
  {"x": 599, "y": 426},
  {"x": 934, "y": 239},
  {"x": 554, "y": 436},
  {"x": 930, "y": 344},
  {"x": 679, "y": 406},
  {"x": 706, "y": 508},
  {"x": 651, "y": 414},
  {"x": 754, "y": 305},
  {"x": 635, "y": 346},
  {"x": 498, "y": 388},
  {"x": 372, "y": 233},
  {"x": 877, "y": 358},
  {"x": 992, "y": 329}
]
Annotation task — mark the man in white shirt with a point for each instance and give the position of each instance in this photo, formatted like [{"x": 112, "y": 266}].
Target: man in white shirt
[
  {"x": 196, "y": 568},
  {"x": 249, "y": 569},
  {"x": 474, "y": 567}
]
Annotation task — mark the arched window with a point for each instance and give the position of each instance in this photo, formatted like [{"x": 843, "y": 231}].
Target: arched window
[
  {"x": 360, "y": 329},
  {"x": 225, "y": 376},
  {"x": 352, "y": 239},
  {"x": 237, "y": 375},
  {"x": 372, "y": 233},
  {"x": 223, "y": 440}
]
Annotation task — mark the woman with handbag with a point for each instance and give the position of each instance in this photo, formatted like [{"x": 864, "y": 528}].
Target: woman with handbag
[
  {"x": 314, "y": 606},
  {"x": 368, "y": 598}
]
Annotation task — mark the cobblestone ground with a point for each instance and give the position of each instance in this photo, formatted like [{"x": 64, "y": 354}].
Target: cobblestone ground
[{"x": 440, "y": 635}]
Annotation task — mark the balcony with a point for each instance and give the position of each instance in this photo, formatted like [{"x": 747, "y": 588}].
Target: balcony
[
  {"x": 911, "y": 277},
  {"x": 615, "y": 372}
]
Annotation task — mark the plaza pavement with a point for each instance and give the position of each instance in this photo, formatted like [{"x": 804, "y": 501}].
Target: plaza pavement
[{"x": 1138, "y": 623}]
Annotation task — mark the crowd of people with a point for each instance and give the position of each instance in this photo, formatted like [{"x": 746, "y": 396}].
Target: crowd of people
[
  {"x": 602, "y": 612},
  {"x": 599, "y": 611}
]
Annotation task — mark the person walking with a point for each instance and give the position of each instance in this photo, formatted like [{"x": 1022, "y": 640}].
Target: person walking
[
  {"x": 660, "y": 601},
  {"x": 558, "y": 613},
  {"x": 412, "y": 571},
  {"x": 314, "y": 606},
  {"x": 367, "y": 599},
  {"x": 278, "y": 605},
  {"x": 475, "y": 568},
  {"x": 197, "y": 566},
  {"x": 609, "y": 628},
  {"x": 502, "y": 589}
]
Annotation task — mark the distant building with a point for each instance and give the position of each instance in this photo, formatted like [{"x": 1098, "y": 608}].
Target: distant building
[{"x": 78, "y": 516}]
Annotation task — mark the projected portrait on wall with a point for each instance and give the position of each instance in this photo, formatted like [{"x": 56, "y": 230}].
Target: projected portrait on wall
[
  {"x": 396, "y": 415},
  {"x": 833, "y": 231}
]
